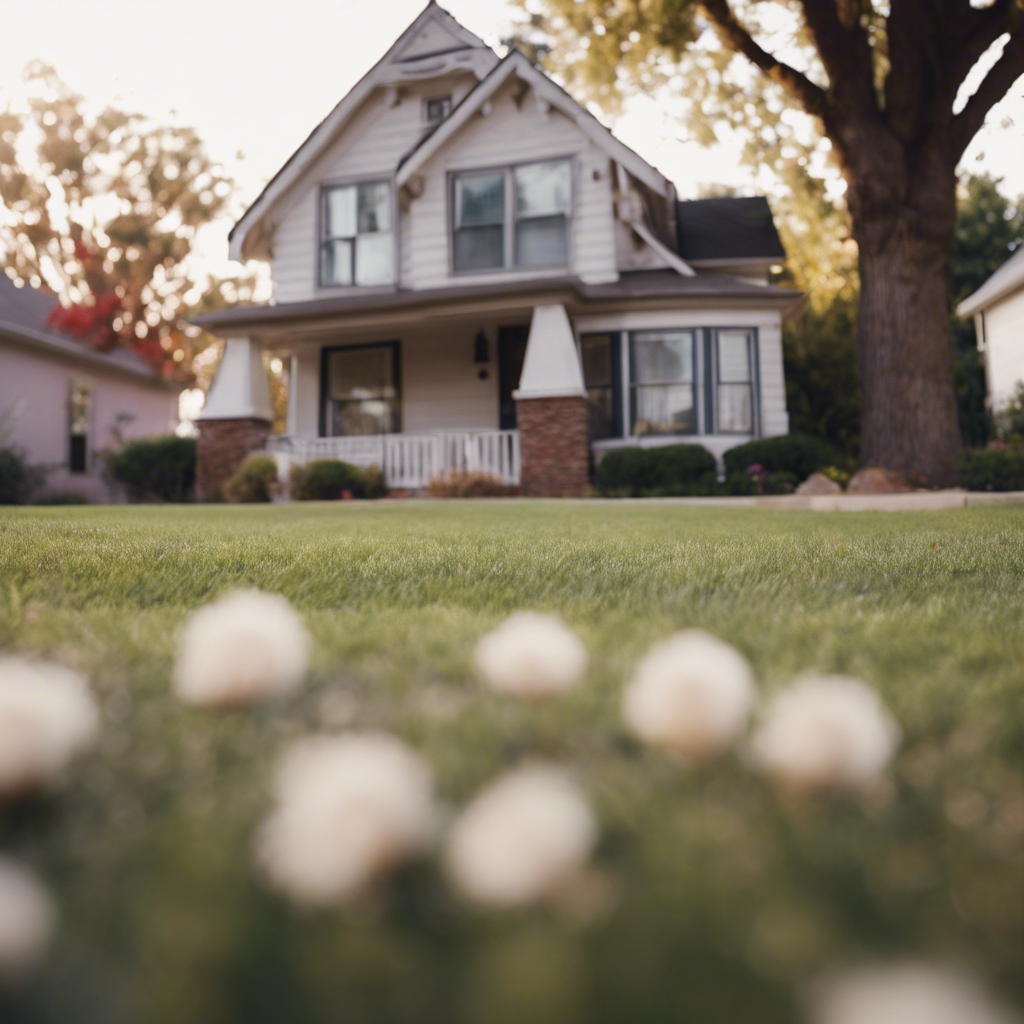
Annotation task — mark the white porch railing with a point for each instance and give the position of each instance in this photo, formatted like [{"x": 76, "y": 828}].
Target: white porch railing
[{"x": 412, "y": 460}]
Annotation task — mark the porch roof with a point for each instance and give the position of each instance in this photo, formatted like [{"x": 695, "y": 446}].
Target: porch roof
[{"x": 641, "y": 287}]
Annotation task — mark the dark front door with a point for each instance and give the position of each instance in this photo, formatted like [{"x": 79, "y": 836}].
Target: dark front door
[{"x": 511, "y": 353}]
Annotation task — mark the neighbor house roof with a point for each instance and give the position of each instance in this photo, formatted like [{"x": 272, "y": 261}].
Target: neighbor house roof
[
  {"x": 727, "y": 229},
  {"x": 632, "y": 286},
  {"x": 24, "y": 320},
  {"x": 1008, "y": 278}
]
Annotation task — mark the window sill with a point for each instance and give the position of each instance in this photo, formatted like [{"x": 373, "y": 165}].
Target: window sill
[{"x": 660, "y": 440}]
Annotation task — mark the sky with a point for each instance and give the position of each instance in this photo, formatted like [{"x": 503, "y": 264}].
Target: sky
[{"x": 256, "y": 76}]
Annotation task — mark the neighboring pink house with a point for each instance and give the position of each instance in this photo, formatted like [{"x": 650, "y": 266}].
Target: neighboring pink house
[{"x": 63, "y": 405}]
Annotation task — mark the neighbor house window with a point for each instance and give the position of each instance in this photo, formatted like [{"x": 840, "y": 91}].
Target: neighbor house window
[
  {"x": 436, "y": 109},
  {"x": 734, "y": 383},
  {"x": 662, "y": 380},
  {"x": 357, "y": 244},
  {"x": 513, "y": 217},
  {"x": 361, "y": 393},
  {"x": 599, "y": 355},
  {"x": 80, "y": 415}
]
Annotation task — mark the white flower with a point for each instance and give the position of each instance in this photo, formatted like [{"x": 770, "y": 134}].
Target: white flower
[
  {"x": 47, "y": 716},
  {"x": 691, "y": 693},
  {"x": 348, "y": 809},
  {"x": 521, "y": 838},
  {"x": 531, "y": 655},
  {"x": 909, "y": 994},
  {"x": 243, "y": 646},
  {"x": 825, "y": 732},
  {"x": 27, "y": 919}
]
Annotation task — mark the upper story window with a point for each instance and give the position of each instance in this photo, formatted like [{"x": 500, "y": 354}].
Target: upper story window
[
  {"x": 436, "y": 109},
  {"x": 356, "y": 241},
  {"x": 513, "y": 217}
]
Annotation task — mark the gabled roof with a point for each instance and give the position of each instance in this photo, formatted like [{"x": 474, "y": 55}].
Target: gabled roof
[
  {"x": 433, "y": 35},
  {"x": 727, "y": 229},
  {"x": 24, "y": 319},
  {"x": 1008, "y": 278},
  {"x": 516, "y": 65}
]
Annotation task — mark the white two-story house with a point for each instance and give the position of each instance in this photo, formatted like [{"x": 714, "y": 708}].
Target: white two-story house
[{"x": 472, "y": 273}]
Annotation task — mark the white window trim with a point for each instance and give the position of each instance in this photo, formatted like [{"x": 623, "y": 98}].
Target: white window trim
[{"x": 510, "y": 266}]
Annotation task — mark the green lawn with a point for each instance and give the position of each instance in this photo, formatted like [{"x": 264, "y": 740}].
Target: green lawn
[{"x": 720, "y": 900}]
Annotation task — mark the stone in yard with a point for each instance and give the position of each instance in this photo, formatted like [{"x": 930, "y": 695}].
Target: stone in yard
[
  {"x": 875, "y": 480},
  {"x": 818, "y": 483}
]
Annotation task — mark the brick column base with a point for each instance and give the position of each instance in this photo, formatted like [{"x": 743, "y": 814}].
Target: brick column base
[
  {"x": 555, "y": 444},
  {"x": 221, "y": 448}
]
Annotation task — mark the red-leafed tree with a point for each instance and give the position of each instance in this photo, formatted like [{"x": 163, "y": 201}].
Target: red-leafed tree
[
  {"x": 104, "y": 209},
  {"x": 899, "y": 88}
]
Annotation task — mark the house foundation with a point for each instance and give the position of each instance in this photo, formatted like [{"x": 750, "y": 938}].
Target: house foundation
[
  {"x": 555, "y": 445},
  {"x": 221, "y": 448}
]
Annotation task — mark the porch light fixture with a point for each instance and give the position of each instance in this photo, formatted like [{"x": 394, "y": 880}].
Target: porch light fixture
[{"x": 481, "y": 351}]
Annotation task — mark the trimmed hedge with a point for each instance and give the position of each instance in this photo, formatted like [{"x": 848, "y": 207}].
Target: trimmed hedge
[
  {"x": 993, "y": 469},
  {"x": 161, "y": 469},
  {"x": 799, "y": 454},
  {"x": 254, "y": 480},
  {"x": 327, "y": 479},
  {"x": 15, "y": 477},
  {"x": 674, "y": 469}
]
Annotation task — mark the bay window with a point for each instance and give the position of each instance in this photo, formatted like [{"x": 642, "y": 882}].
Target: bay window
[
  {"x": 599, "y": 355},
  {"x": 512, "y": 217},
  {"x": 360, "y": 386},
  {"x": 357, "y": 243},
  {"x": 663, "y": 382},
  {"x": 734, "y": 382}
]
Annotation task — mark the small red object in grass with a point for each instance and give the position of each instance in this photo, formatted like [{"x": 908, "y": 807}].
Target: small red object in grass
[{"x": 346, "y": 495}]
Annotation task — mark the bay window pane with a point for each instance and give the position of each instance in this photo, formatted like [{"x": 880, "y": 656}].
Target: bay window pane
[
  {"x": 735, "y": 409},
  {"x": 340, "y": 212},
  {"x": 336, "y": 262},
  {"x": 662, "y": 357},
  {"x": 542, "y": 242},
  {"x": 543, "y": 189},
  {"x": 596, "y": 356},
  {"x": 374, "y": 208},
  {"x": 479, "y": 248},
  {"x": 375, "y": 259},
  {"x": 480, "y": 198},
  {"x": 663, "y": 409},
  {"x": 733, "y": 357}
]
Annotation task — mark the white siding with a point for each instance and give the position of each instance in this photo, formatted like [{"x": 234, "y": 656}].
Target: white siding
[
  {"x": 1004, "y": 347},
  {"x": 511, "y": 134}
]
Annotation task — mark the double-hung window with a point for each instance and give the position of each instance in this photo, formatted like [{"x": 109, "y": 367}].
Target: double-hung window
[
  {"x": 663, "y": 382},
  {"x": 361, "y": 390},
  {"x": 599, "y": 354},
  {"x": 515, "y": 217},
  {"x": 734, "y": 382},
  {"x": 357, "y": 244}
]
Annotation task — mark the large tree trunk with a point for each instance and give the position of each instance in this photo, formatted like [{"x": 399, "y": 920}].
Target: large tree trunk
[{"x": 909, "y": 419}]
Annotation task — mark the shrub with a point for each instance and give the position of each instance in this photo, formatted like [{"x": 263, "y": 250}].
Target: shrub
[
  {"x": 61, "y": 498},
  {"x": 328, "y": 479},
  {"x": 161, "y": 469},
  {"x": 993, "y": 469},
  {"x": 15, "y": 477},
  {"x": 373, "y": 482},
  {"x": 254, "y": 480},
  {"x": 468, "y": 485},
  {"x": 798, "y": 454},
  {"x": 674, "y": 469},
  {"x": 780, "y": 482},
  {"x": 740, "y": 485}
]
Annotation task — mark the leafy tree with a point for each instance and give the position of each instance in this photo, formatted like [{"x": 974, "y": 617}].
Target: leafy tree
[
  {"x": 104, "y": 209},
  {"x": 880, "y": 81}
]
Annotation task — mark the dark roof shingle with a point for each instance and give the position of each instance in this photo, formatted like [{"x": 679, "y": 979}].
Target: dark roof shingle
[{"x": 727, "y": 228}]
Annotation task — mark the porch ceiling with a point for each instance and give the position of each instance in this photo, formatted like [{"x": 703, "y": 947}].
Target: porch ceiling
[{"x": 635, "y": 290}]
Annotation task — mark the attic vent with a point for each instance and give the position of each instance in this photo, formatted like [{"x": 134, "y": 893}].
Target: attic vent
[{"x": 436, "y": 109}]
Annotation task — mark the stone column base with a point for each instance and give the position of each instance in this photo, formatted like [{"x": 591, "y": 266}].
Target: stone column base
[
  {"x": 555, "y": 443},
  {"x": 221, "y": 448}
]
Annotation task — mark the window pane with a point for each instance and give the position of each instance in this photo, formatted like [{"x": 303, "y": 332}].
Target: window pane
[
  {"x": 542, "y": 242},
  {"x": 543, "y": 189},
  {"x": 374, "y": 207},
  {"x": 733, "y": 357},
  {"x": 340, "y": 212},
  {"x": 596, "y": 352},
  {"x": 735, "y": 409},
  {"x": 336, "y": 263},
  {"x": 438, "y": 108},
  {"x": 662, "y": 356},
  {"x": 664, "y": 409},
  {"x": 480, "y": 198},
  {"x": 479, "y": 248},
  {"x": 370, "y": 416},
  {"x": 361, "y": 373},
  {"x": 600, "y": 413},
  {"x": 375, "y": 259}
]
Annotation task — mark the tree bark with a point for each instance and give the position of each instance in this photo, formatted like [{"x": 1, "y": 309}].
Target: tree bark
[{"x": 909, "y": 418}]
